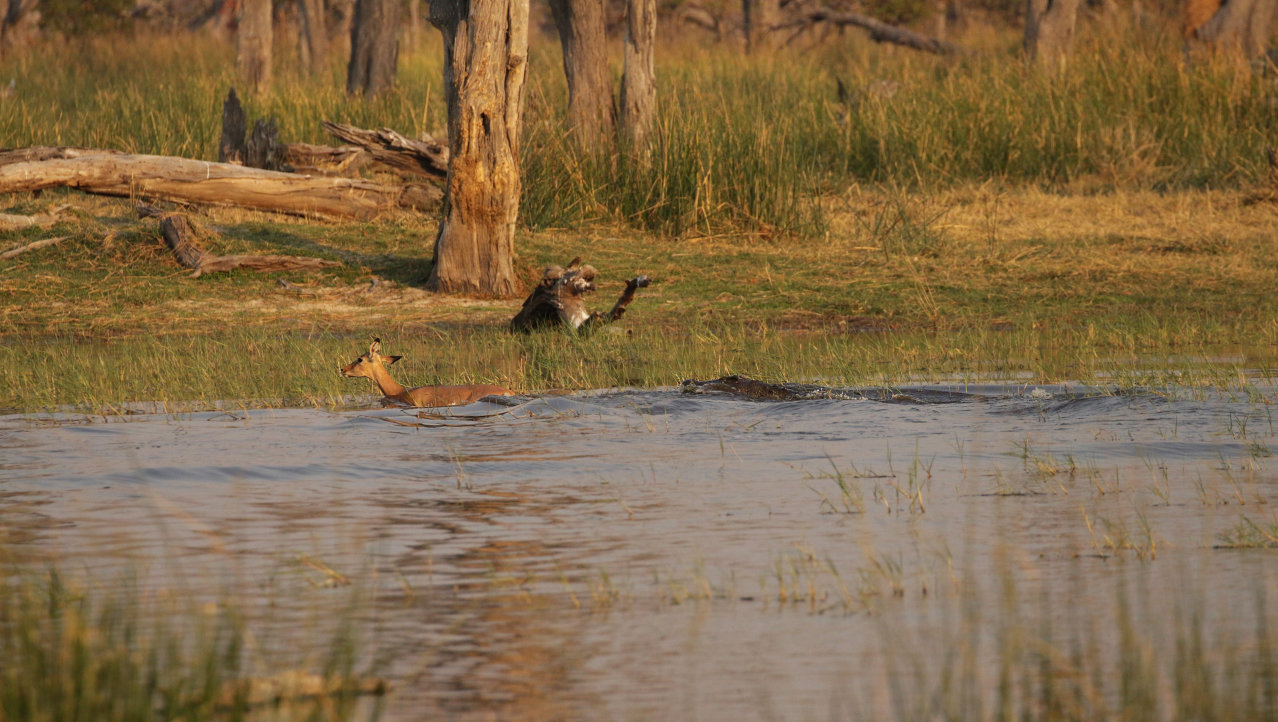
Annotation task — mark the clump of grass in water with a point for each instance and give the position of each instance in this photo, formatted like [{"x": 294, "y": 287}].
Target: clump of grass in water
[
  {"x": 1045, "y": 660},
  {"x": 72, "y": 651}
]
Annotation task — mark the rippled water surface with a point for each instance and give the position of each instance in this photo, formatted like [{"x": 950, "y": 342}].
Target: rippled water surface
[{"x": 658, "y": 554}]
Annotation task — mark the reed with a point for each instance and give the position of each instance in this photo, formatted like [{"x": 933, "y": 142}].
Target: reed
[{"x": 77, "y": 649}]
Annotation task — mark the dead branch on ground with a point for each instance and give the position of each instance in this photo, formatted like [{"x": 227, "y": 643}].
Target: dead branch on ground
[
  {"x": 880, "y": 32},
  {"x": 181, "y": 238}
]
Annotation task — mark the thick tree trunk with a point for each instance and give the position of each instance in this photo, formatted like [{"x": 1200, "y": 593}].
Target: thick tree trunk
[
  {"x": 314, "y": 35},
  {"x": 112, "y": 173},
  {"x": 639, "y": 77},
  {"x": 374, "y": 47},
  {"x": 1241, "y": 25},
  {"x": 485, "y": 63},
  {"x": 253, "y": 45},
  {"x": 581, "y": 34},
  {"x": 1049, "y": 31}
]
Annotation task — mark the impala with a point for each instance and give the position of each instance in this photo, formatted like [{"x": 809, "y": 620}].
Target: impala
[{"x": 372, "y": 365}]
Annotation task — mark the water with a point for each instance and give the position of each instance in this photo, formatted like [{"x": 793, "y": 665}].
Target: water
[{"x": 658, "y": 554}]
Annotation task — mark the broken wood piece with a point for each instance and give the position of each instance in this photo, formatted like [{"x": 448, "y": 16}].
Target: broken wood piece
[
  {"x": 107, "y": 172},
  {"x": 19, "y": 250},
  {"x": 408, "y": 157},
  {"x": 559, "y": 299},
  {"x": 325, "y": 159},
  {"x": 183, "y": 241},
  {"x": 12, "y": 221}
]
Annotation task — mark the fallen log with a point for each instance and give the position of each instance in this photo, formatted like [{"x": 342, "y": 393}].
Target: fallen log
[
  {"x": 108, "y": 172},
  {"x": 559, "y": 299},
  {"x": 183, "y": 241},
  {"x": 405, "y": 156}
]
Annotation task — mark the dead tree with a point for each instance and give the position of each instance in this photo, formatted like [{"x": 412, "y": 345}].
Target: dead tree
[
  {"x": 374, "y": 47},
  {"x": 253, "y": 45},
  {"x": 485, "y": 65},
  {"x": 591, "y": 116},
  {"x": 1239, "y": 25},
  {"x": 1049, "y": 31},
  {"x": 560, "y": 300},
  {"x": 108, "y": 172},
  {"x": 638, "y": 77},
  {"x": 314, "y": 35}
]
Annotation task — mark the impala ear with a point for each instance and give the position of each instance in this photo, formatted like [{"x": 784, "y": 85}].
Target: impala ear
[
  {"x": 390, "y": 359},
  {"x": 375, "y": 347}
]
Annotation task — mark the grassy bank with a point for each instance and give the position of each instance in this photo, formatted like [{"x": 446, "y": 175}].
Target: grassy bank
[{"x": 965, "y": 284}]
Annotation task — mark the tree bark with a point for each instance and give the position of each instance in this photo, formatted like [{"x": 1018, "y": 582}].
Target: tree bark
[
  {"x": 1049, "y": 32},
  {"x": 1240, "y": 25},
  {"x": 639, "y": 77},
  {"x": 19, "y": 26},
  {"x": 580, "y": 23},
  {"x": 374, "y": 47},
  {"x": 760, "y": 20},
  {"x": 314, "y": 35},
  {"x": 106, "y": 172},
  {"x": 485, "y": 64},
  {"x": 253, "y": 45},
  {"x": 230, "y": 148}
]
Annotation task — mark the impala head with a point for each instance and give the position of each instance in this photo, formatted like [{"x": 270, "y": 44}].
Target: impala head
[{"x": 363, "y": 366}]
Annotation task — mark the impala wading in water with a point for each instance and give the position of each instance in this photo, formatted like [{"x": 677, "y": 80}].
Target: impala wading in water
[{"x": 372, "y": 365}]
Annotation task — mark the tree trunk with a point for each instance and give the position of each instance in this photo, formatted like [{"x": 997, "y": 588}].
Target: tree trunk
[
  {"x": 20, "y": 24},
  {"x": 485, "y": 64},
  {"x": 581, "y": 33},
  {"x": 760, "y": 19},
  {"x": 314, "y": 35},
  {"x": 1241, "y": 25},
  {"x": 1049, "y": 31},
  {"x": 639, "y": 77},
  {"x": 253, "y": 45},
  {"x": 374, "y": 47}
]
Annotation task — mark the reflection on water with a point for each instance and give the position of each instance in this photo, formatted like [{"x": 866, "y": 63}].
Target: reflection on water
[{"x": 661, "y": 554}]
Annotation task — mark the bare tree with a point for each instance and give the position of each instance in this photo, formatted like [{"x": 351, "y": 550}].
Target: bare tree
[
  {"x": 20, "y": 22},
  {"x": 760, "y": 19},
  {"x": 581, "y": 34},
  {"x": 1049, "y": 31},
  {"x": 253, "y": 45},
  {"x": 485, "y": 64},
  {"x": 1242, "y": 25},
  {"x": 639, "y": 78},
  {"x": 374, "y": 47},
  {"x": 314, "y": 40}
]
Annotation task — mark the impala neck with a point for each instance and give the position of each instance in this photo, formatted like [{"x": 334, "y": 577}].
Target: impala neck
[{"x": 389, "y": 386}]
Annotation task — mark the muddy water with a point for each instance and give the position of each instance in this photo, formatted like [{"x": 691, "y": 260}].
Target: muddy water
[{"x": 658, "y": 554}]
